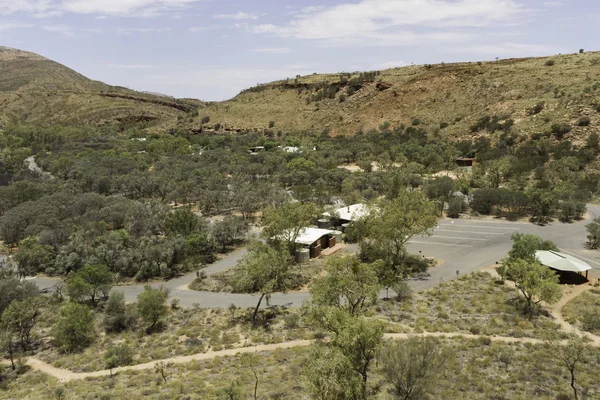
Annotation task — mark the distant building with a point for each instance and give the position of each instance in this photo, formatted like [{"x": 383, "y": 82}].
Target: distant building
[
  {"x": 352, "y": 213},
  {"x": 291, "y": 149},
  {"x": 466, "y": 162},
  {"x": 316, "y": 240},
  {"x": 256, "y": 149}
]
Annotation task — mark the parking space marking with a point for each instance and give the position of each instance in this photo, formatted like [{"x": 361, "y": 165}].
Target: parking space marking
[
  {"x": 577, "y": 255},
  {"x": 460, "y": 238},
  {"x": 441, "y": 244},
  {"x": 480, "y": 226},
  {"x": 476, "y": 233}
]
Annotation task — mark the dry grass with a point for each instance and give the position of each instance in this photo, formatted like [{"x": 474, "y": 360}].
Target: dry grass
[
  {"x": 474, "y": 303},
  {"x": 584, "y": 311},
  {"x": 478, "y": 371}
]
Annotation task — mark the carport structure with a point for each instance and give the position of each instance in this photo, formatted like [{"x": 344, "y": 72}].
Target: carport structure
[{"x": 562, "y": 262}]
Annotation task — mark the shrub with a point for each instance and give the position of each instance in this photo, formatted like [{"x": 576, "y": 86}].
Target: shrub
[
  {"x": 598, "y": 107},
  {"x": 291, "y": 321},
  {"x": 271, "y": 124},
  {"x": 549, "y": 63},
  {"x": 416, "y": 122},
  {"x": 115, "y": 313},
  {"x": 560, "y": 130},
  {"x": 205, "y": 119},
  {"x": 444, "y": 125},
  {"x": 457, "y": 205},
  {"x": 118, "y": 356},
  {"x": 152, "y": 305},
  {"x": 583, "y": 121},
  {"x": 75, "y": 328},
  {"x": 535, "y": 109}
]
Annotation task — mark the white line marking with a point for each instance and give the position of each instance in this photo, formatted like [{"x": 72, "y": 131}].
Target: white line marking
[
  {"x": 577, "y": 255},
  {"x": 476, "y": 233},
  {"x": 441, "y": 244},
  {"x": 479, "y": 226},
  {"x": 459, "y": 238}
]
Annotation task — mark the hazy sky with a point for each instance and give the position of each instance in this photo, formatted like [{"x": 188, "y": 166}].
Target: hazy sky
[{"x": 212, "y": 49}]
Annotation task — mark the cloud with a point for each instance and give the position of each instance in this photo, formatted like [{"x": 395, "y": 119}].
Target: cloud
[
  {"x": 272, "y": 50},
  {"x": 385, "y": 22},
  {"x": 239, "y": 16},
  {"x": 199, "y": 28},
  {"x": 129, "y": 31},
  {"x": 69, "y": 30},
  {"x": 130, "y": 66},
  {"x": 46, "y": 8},
  {"x": 10, "y": 25},
  {"x": 514, "y": 49}
]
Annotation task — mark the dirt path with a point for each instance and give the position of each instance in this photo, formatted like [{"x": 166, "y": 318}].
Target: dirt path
[
  {"x": 556, "y": 312},
  {"x": 66, "y": 375}
]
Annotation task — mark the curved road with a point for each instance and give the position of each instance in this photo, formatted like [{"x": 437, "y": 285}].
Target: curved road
[{"x": 463, "y": 246}]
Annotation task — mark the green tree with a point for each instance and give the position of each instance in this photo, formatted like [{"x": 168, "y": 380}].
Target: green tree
[
  {"x": 117, "y": 317},
  {"x": 252, "y": 362},
  {"x": 33, "y": 257},
  {"x": 285, "y": 223},
  {"x": 348, "y": 285},
  {"x": 571, "y": 355},
  {"x": 263, "y": 270},
  {"x": 440, "y": 189},
  {"x": 390, "y": 224},
  {"x": 535, "y": 281},
  {"x": 525, "y": 245},
  {"x": 413, "y": 366},
  {"x": 15, "y": 290},
  {"x": 7, "y": 344},
  {"x": 152, "y": 305},
  {"x": 329, "y": 374},
  {"x": 75, "y": 328},
  {"x": 20, "y": 317},
  {"x": 593, "y": 236},
  {"x": 91, "y": 281},
  {"x": 181, "y": 221},
  {"x": 359, "y": 339}
]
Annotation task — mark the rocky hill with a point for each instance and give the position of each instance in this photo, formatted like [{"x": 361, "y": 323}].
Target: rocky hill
[
  {"x": 455, "y": 100},
  {"x": 38, "y": 90}
]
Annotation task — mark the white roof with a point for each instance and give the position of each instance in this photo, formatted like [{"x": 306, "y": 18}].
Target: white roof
[
  {"x": 353, "y": 212},
  {"x": 561, "y": 261},
  {"x": 291, "y": 149},
  {"x": 308, "y": 236}
]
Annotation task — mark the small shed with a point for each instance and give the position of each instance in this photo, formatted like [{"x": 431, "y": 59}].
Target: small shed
[{"x": 316, "y": 240}]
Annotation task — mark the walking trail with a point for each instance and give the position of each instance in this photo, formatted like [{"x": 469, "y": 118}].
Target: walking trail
[{"x": 64, "y": 375}]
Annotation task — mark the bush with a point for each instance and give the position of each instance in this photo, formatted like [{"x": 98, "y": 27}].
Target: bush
[
  {"x": 583, "y": 121},
  {"x": 75, "y": 328},
  {"x": 118, "y": 356},
  {"x": 271, "y": 124},
  {"x": 560, "y": 130},
  {"x": 115, "y": 313},
  {"x": 416, "y": 122},
  {"x": 457, "y": 205},
  {"x": 549, "y": 63},
  {"x": 205, "y": 119},
  {"x": 291, "y": 321},
  {"x": 444, "y": 125},
  {"x": 152, "y": 305},
  {"x": 535, "y": 109}
]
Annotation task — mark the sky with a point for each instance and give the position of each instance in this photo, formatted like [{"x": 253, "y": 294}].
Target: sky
[{"x": 213, "y": 49}]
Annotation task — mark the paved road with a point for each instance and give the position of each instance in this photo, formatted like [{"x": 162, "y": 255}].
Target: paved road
[{"x": 462, "y": 245}]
